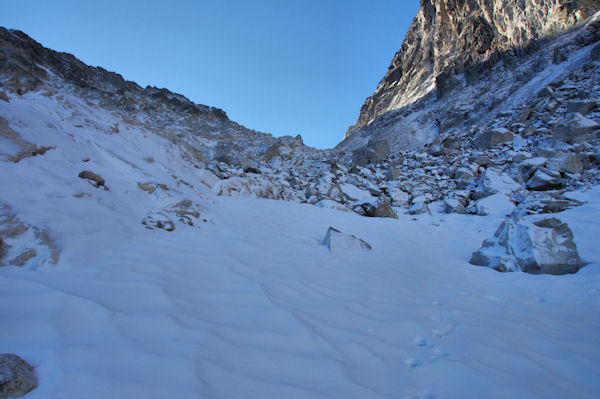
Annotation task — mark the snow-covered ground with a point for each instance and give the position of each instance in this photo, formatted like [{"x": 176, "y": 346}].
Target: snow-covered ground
[
  {"x": 254, "y": 306},
  {"x": 249, "y": 304}
]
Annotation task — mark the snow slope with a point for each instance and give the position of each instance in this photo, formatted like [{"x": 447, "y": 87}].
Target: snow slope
[{"x": 253, "y": 306}]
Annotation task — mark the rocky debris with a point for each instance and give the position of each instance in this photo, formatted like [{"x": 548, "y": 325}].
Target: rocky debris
[
  {"x": 374, "y": 152},
  {"x": 494, "y": 137},
  {"x": 184, "y": 211},
  {"x": 17, "y": 377},
  {"x": 24, "y": 245},
  {"x": 339, "y": 243},
  {"x": 545, "y": 246},
  {"x": 92, "y": 178}
]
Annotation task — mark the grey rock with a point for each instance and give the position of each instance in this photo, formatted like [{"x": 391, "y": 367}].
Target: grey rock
[
  {"x": 338, "y": 242},
  {"x": 493, "y": 137},
  {"x": 543, "y": 180},
  {"x": 3, "y": 96},
  {"x": 569, "y": 163},
  {"x": 17, "y": 377},
  {"x": 581, "y": 106},
  {"x": 452, "y": 205},
  {"x": 419, "y": 208},
  {"x": 578, "y": 125},
  {"x": 545, "y": 246}
]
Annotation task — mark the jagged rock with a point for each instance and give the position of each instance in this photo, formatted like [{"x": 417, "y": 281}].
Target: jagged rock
[
  {"x": 93, "y": 178},
  {"x": 569, "y": 163},
  {"x": 17, "y": 377},
  {"x": 384, "y": 210},
  {"x": 374, "y": 152},
  {"x": 492, "y": 182},
  {"x": 419, "y": 208},
  {"x": 544, "y": 179},
  {"x": 545, "y": 246},
  {"x": 581, "y": 106},
  {"x": 578, "y": 125},
  {"x": 452, "y": 205},
  {"x": 527, "y": 168},
  {"x": 3, "y": 96},
  {"x": 338, "y": 242},
  {"x": 493, "y": 137}
]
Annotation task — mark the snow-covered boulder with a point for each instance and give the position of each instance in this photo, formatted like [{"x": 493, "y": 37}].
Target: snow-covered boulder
[
  {"x": 17, "y": 377},
  {"x": 494, "y": 181},
  {"x": 545, "y": 246},
  {"x": 354, "y": 194},
  {"x": 338, "y": 242}
]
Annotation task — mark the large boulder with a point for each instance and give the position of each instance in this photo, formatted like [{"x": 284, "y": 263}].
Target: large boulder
[
  {"x": 17, "y": 377},
  {"x": 493, "y": 137},
  {"x": 577, "y": 126},
  {"x": 338, "y": 242},
  {"x": 544, "y": 179},
  {"x": 545, "y": 246},
  {"x": 374, "y": 152}
]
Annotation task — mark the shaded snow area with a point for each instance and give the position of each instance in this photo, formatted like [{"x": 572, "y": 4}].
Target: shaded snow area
[{"x": 242, "y": 300}]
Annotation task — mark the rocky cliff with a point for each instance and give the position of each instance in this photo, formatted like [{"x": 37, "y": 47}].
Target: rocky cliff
[{"x": 467, "y": 38}]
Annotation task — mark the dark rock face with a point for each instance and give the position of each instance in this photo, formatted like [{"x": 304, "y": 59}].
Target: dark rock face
[{"x": 449, "y": 37}]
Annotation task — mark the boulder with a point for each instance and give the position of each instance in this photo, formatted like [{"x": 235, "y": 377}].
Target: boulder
[
  {"x": 452, "y": 205},
  {"x": 374, "y": 152},
  {"x": 545, "y": 246},
  {"x": 384, "y": 209},
  {"x": 578, "y": 125},
  {"x": 544, "y": 179},
  {"x": 419, "y": 208},
  {"x": 398, "y": 196},
  {"x": 569, "y": 163},
  {"x": 17, "y": 377},
  {"x": 338, "y": 242},
  {"x": 493, "y": 137},
  {"x": 581, "y": 106}
]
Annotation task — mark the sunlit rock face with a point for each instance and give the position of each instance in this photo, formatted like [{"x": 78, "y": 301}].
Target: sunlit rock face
[
  {"x": 450, "y": 38},
  {"x": 454, "y": 34}
]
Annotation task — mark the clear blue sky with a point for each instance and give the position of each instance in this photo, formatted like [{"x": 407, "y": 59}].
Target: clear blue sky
[{"x": 284, "y": 67}]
